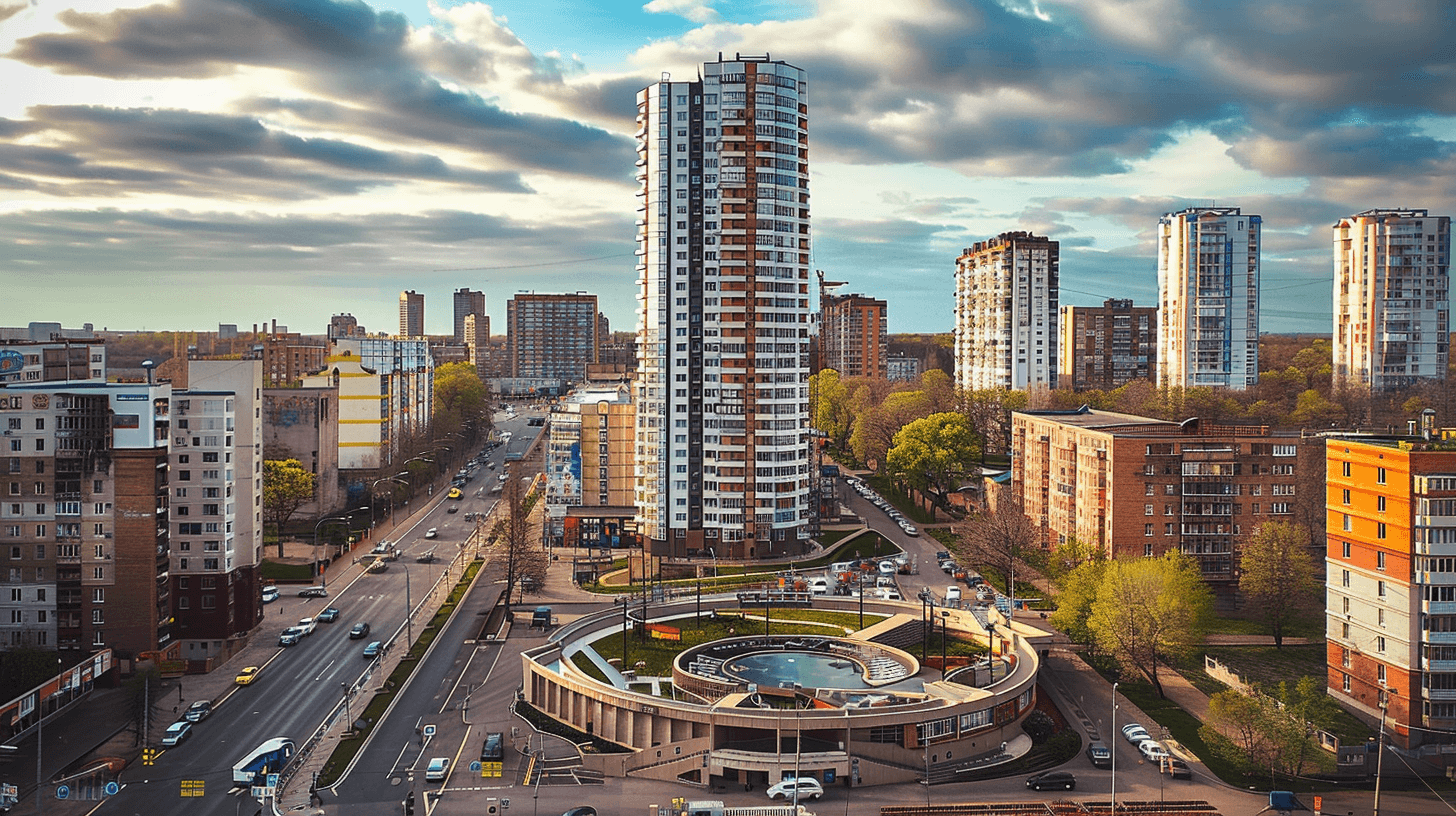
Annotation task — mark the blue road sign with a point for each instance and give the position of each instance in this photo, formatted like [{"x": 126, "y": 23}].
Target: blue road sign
[
  {"x": 112, "y": 789},
  {"x": 63, "y": 792}
]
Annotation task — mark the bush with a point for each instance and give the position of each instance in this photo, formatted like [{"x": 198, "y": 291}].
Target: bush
[
  {"x": 1039, "y": 726},
  {"x": 1065, "y": 745}
]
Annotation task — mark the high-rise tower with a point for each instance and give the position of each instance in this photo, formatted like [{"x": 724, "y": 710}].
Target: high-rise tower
[
  {"x": 1208, "y": 298},
  {"x": 1392, "y": 312},
  {"x": 467, "y": 302},
  {"x": 1006, "y": 295},
  {"x": 723, "y": 311},
  {"x": 411, "y": 314}
]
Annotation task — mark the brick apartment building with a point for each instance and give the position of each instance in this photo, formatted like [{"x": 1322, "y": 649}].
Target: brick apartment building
[
  {"x": 1391, "y": 587},
  {"x": 589, "y": 455},
  {"x": 852, "y": 335},
  {"x": 1136, "y": 486},
  {"x": 1107, "y": 346}
]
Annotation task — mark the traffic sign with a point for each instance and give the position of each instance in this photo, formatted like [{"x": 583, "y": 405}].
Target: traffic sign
[
  {"x": 112, "y": 789},
  {"x": 429, "y": 730},
  {"x": 475, "y": 766},
  {"x": 193, "y": 787},
  {"x": 63, "y": 792}
]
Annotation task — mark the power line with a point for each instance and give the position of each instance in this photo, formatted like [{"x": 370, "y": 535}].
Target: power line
[{"x": 534, "y": 266}]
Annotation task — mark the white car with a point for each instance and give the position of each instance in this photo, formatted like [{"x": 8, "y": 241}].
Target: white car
[
  {"x": 819, "y": 586},
  {"x": 433, "y": 532},
  {"x": 794, "y": 790},
  {"x": 176, "y": 732},
  {"x": 887, "y": 567},
  {"x": 1153, "y": 751},
  {"x": 438, "y": 769},
  {"x": 306, "y": 626},
  {"x": 952, "y": 594},
  {"x": 1135, "y": 733}
]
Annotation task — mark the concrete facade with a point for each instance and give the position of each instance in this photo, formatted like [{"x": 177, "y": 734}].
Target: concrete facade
[
  {"x": 1208, "y": 298},
  {"x": 1006, "y": 296}
]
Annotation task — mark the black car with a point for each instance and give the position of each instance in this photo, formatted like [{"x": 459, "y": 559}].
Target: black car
[
  {"x": 328, "y": 615},
  {"x": 1055, "y": 780},
  {"x": 313, "y": 592},
  {"x": 198, "y": 711},
  {"x": 359, "y": 632}
]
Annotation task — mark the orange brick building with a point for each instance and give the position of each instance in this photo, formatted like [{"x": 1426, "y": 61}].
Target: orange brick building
[{"x": 1391, "y": 586}]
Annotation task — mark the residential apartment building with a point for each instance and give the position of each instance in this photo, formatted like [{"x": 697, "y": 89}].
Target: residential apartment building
[
  {"x": 1107, "y": 346},
  {"x": 1135, "y": 486},
  {"x": 852, "y": 335},
  {"x": 411, "y": 314},
  {"x": 24, "y": 360},
  {"x": 1392, "y": 305},
  {"x": 467, "y": 303},
  {"x": 288, "y": 357},
  {"x": 902, "y": 369},
  {"x": 552, "y": 336},
  {"x": 1208, "y": 298},
  {"x": 385, "y": 387},
  {"x": 303, "y": 424},
  {"x": 477, "y": 343},
  {"x": 345, "y": 325},
  {"x": 1006, "y": 292},
  {"x": 84, "y": 523},
  {"x": 592, "y": 436},
  {"x": 723, "y": 311},
  {"x": 216, "y": 511},
  {"x": 1390, "y": 583}
]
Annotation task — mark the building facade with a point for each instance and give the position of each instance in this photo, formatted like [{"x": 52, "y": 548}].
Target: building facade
[
  {"x": 1107, "y": 346},
  {"x": 902, "y": 369},
  {"x": 552, "y": 336},
  {"x": 1138, "y": 487},
  {"x": 1392, "y": 305},
  {"x": 288, "y": 357},
  {"x": 589, "y": 463},
  {"x": 386, "y": 388},
  {"x": 411, "y": 314},
  {"x": 345, "y": 325},
  {"x": 1390, "y": 583},
  {"x": 1208, "y": 298},
  {"x": 23, "y": 360},
  {"x": 723, "y": 311},
  {"x": 853, "y": 335},
  {"x": 466, "y": 303},
  {"x": 303, "y": 424},
  {"x": 1006, "y": 294}
]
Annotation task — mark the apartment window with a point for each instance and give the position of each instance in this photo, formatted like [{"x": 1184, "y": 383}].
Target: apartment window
[
  {"x": 1148, "y": 489},
  {"x": 1345, "y": 549},
  {"x": 99, "y": 615},
  {"x": 1344, "y": 682},
  {"x": 1345, "y": 605},
  {"x": 1344, "y": 578},
  {"x": 98, "y": 573},
  {"x": 1345, "y": 631},
  {"x": 1380, "y": 475},
  {"x": 1380, "y": 503},
  {"x": 1147, "y": 509},
  {"x": 1380, "y": 669},
  {"x": 1380, "y": 561},
  {"x": 1345, "y": 522},
  {"x": 1345, "y": 469},
  {"x": 1344, "y": 657},
  {"x": 1380, "y": 589},
  {"x": 1380, "y": 618},
  {"x": 1380, "y": 529},
  {"x": 1147, "y": 529},
  {"x": 98, "y": 595}
]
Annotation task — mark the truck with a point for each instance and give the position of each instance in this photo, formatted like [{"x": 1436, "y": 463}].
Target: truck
[
  {"x": 717, "y": 808},
  {"x": 269, "y": 758}
]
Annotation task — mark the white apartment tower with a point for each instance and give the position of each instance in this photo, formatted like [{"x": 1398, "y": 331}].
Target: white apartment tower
[
  {"x": 723, "y": 311},
  {"x": 1208, "y": 297},
  {"x": 1006, "y": 313},
  {"x": 1392, "y": 313}
]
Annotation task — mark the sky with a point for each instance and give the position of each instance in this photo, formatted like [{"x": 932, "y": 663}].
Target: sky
[{"x": 184, "y": 163}]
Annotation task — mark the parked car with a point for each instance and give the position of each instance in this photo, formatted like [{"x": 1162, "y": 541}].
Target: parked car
[
  {"x": 438, "y": 769},
  {"x": 797, "y": 789},
  {"x": 1153, "y": 751},
  {"x": 289, "y": 636},
  {"x": 247, "y": 676},
  {"x": 1135, "y": 733},
  {"x": 433, "y": 532},
  {"x": 1100, "y": 755},
  {"x": 176, "y": 732},
  {"x": 1175, "y": 767},
  {"x": 910, "y": 529},
  {"x": 328, "y": 615},
  {"x": 381, "y": 548},
  {"x": 198, "y": 711},
  {"x": 360, "y": 631},
  {"x": 313, "y": 592},
  {"x": 584, "y": 810},
  {"x": 887, "y": 567},
  {"x": 1056, "y": 780},
  {"x": 819, "y": 586},
  {"x": 952, "y": 594},
  {"x": 373, "y": 649},
  {"x": 306, "y": 626}
]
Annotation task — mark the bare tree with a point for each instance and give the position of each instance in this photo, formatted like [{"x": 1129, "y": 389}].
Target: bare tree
[
  {"x": 1005, "y": 540},
  {"x": 525, "y": 557}
]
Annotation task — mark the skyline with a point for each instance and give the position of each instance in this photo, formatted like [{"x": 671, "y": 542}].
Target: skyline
[{"x": 306, "y": 158}]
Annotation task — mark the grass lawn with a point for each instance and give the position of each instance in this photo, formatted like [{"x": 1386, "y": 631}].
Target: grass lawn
[
  {"x": 1266, "y": 667},
  {"x": 1243, "y": 626}
]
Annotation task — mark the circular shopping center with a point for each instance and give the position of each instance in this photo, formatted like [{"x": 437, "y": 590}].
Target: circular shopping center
[{"x": 835, "y": 691}]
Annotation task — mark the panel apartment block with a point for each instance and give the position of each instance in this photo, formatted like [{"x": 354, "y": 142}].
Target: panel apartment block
[
  {"x": 723, "y": 311},
  {"x": 1208, "y": 295},
  {"x": 1392, "y": 307},
  {"x": 1391, "y": 586},
  {"x": 1006, "y": 292},
  {"x": 411, "y": 314},
  {"x": 1135, "y": 486},
  {"x": 552, "y": 337},
  {"x": 853, "y": 335},
  {"x": 467, "y": 302},
  {"x": 1107, "y": 346}
]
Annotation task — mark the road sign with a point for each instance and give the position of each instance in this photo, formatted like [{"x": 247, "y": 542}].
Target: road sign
[
  {"x": 193, "y": 787},
  {"x": 475, "y": 766},
  {"x": 63, "y": 792},
  {"x": 429, "y": 730},
  {"x": 112, "y": 789}
]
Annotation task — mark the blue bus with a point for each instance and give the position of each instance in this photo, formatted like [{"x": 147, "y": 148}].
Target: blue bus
[{"x": 269, "y": 758}]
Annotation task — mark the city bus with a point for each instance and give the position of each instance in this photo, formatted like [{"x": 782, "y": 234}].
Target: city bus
[
  {"x": 492, "y": 754},
  {"x": 268, "y": 758}
]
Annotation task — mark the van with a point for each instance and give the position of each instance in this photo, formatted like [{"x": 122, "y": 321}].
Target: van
[
  {"x": 541, "y": 617},
  {"x": 270, "y": 594}
]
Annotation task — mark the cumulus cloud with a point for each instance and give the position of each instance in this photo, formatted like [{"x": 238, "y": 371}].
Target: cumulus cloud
[{"x": 698, "y": 11}]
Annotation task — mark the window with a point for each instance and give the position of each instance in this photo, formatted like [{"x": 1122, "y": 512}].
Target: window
[
  {"x": 1344, "y": 657},
  {"x": 98, "y": 595},
  {"x": 1380, "y": 561},
  {"x": 1380, "y": 529},
  {"x": 1345, "y": 549},
  {"x": 1148, "y": 489},
  {"x": 1380, "y": 503},
  {"x": 1344, "y": 682},
  {"x": 1344, "y": 578},
  {"x": 1380, "y": 669},
  {"x": 1147, "y": 509},
  {"x": 1147, "y": 529},
  {"x": 1380, "y": 475},
  {"x": 1345, "y": 469},
  {"x": 1380, "y": 618},
  {"x": 1380, "y": 589},
  {"x": 1345, "y": 631},
  {"x": 1345, "y": 522}
]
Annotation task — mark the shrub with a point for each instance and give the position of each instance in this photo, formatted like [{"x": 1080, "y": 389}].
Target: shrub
[{"x": 1039, "y": 726}]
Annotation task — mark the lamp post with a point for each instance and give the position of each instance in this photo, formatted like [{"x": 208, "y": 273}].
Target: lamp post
[
  {"x": 395, "y": 479},
  {"x": 991, "y": 649},
  {"x": 1112, "y": 740},
  {"x": 348, "y": 724},
  {"x": 318, "y": 573},
  {"x": 409, "y": 610},
  {"x": 944, "y": 636},
  {"x": 625, "y": 601}
]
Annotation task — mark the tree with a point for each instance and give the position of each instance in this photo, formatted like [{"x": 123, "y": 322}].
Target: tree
[
  {"x": 875, "y": 429},
  {"x": 830, "y": 406},
  {"x": 461, "y": 402},
  {"x": 934, "y": 454},
  {"x": 524, "y": 554},
  {"x": 989, "y": 411},
  {"x": 1278, "y": 576},
  {"x": 1002, "y": 539},
  {"x": 1074, "y": 602},
  {"x": 287, "y": 486},
  {"x": 1150, "y": 611}
]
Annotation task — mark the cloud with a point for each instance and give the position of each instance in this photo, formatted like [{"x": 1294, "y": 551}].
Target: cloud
[{"x": 698, "y": 11}]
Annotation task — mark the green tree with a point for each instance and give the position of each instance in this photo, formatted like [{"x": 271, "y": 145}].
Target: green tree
[
  {"x": 934, "y": 454},
  {"x": 1278, "y": 577},
  {"x": 1074, "y": 601},
  {"x": 1150, "y": 611},
  {"x": 875, "y": 429},
  {"x": 461, "y": 402},
  {"x": 287, "y": 486},
  {"x": 830, "y": 406}
]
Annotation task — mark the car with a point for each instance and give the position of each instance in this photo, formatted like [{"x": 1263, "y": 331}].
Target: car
[
  {"x": 433, "y": 532},
  {"x": 942, "y": 555},
  {"x": 289, "y": 636},
  {"x": 380, "y": 548},
  {"x": 948, "y": 567},
  {"x": 328, "y": 615},
  {"x": 426, "y": 557},
  {"x": 1135, "y": 733},
  {"x": 1099, "y": 755},
  {"x": 379, "y": 565},
  {"x": 247, "y": 676},
  {"x": 584, "y": 810},
  {"x": 373, "y": 649},
  {"x": 1153, "y": 751},
  {"x": 797, "y": 788},
  {"x": 952, "y": 594},
  {"x": 819, "y": 586},
  {"x": 1175, "y": 767},
  {"x": 438, "y": 769},
  {"x": 313, "y": 592},
  {"x": 360, "y": 631},
  {"x": 307, "y": 625},
  {"x": 1055, "y": 780},
  {"x": 176, "y": 732},
  {"x": 198, "y": 711},
  {"x": 887, "y": 567},
  {"x": 270, "y": 594},
  {"x": 454, "y": 508},
  {"x": 910, "y": 529}
]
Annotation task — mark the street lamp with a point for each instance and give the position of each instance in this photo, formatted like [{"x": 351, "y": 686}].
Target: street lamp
[
  {"x": 348, "y": 725},
  {"x": 1111, "y": 740},
  {"x": 319, "y": 573},
  {"x": 991, "y": 649},
  {"x": 395, "y": 479},
  {"x": 944, "y": 636},
  {"x": 625, "y": 602}
]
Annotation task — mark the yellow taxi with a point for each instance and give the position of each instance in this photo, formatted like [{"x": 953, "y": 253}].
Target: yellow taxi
[{"x": 247, "y": 676}]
